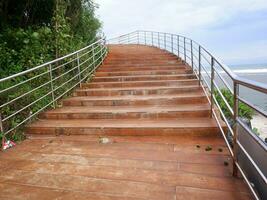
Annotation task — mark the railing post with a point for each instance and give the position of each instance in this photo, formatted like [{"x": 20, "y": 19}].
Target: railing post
[
  {"x": 93, "y": 49},
  {"x": 2, "y": 130},
  {"x": 158, "y": 40},
  {"x": 145, "y": 37},
  {"x": 152, "y": 35},
  {"x": 184, "y": 50},
  {"x": 138, "y": 42},
  {"x": 165, "y": 41},
  {"x": 178, "y": 45},
  {"x": 128, "y": 38},
  {"x": 192, "y": 54},
  {"x": 212, "y": 86},
  {"x": 172, "y": 42},
  {"x": 79, "y": 69},
  {"x": 51, "y": 85},
  {"x": 236, "y": 110},
  {"x": 199, "y": 64}
]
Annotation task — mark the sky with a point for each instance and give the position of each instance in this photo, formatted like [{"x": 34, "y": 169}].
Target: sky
[{"x": 235, "y": 31}]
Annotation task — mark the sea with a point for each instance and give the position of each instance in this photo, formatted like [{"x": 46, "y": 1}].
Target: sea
[{"x": 254, "y": 72}]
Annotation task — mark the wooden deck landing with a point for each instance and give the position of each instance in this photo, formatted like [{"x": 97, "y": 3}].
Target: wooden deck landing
[{"x": 130, "y": 167}]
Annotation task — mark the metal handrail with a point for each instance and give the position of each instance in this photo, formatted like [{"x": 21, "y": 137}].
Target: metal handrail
[
  {"x": 59, "y": 77},
  {"x": 189, "y": 51}
]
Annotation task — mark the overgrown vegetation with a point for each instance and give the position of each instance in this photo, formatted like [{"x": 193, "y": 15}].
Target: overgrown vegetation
[
  {"x": 244, "y": 110},
  {"x": 33, "y": 32}
]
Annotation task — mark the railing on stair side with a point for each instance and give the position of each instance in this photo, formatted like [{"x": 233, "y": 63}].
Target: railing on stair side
[
  {"x": 212, "y": 75},
  {"x": 24, "y": 95}
]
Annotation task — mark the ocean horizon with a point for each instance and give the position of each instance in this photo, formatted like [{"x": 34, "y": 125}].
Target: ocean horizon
[{"x": 255, "y": 72}]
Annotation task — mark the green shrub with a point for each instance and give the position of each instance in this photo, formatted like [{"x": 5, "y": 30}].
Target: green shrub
[
  {"x": 56, "y": 28},
  {"x": 244, "y": 110}
]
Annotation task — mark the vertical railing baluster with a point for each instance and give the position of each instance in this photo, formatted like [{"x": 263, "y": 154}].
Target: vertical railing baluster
[
  {"x": 2, "y": 130},
  {"x": 184, "y": 50},
  {"x": 165, "y": 41},
  {"x": 158, "y": 40},
  {"x": 51, "y": 85},
  {"x": 79, "y": 69},
  {"x": 199, "y": 64},
  {"x": 152, "y": 35},
  {"x": 212, "y": 87},
  {"x": 192, "y": 55},
  {"x": 138, "y": 42},
  {"x": 172, "y": 42},
  {"x": 93, "y": 49},
  {"x": 235, "y": 128},
  {"x": 128, "y": 38},
  {"x": 145, "y": 37},
  {"x": 178, "y": 45}
]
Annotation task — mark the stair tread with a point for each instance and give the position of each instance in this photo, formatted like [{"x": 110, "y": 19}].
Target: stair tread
[
  {"x": 139, "y": 88},
  {"x": 123, "y": 109},
  {"x": 149, "y": 81},
  {"x": 137, "y": 97},
  {"x": 126, "y": 123},
  {"x": 148, "y": 76}
]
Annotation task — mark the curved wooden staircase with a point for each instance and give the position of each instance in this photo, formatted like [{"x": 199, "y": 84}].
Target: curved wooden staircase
[
  {"x": 162, "y": 142},
  {"x": 139, "y": 90}
]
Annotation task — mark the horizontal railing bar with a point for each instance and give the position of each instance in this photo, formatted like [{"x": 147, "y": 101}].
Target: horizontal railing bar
[
  {"x": 47, "y": 63},
  {"x": 28, "y": 118},
  {"x": 252, "y": 134},
  {"x": 12, "y": 115},
  {"x": 253, "y": 162},
  {"x": 223, "y": 115},
  {"x": 223, "y": 80},
  {"x": 206, "y": 59},
  {"x": 225, "y": 101},
  {"x": 61, "y": 75},
  {"x": 23, "y": 95},
  {"x": 261, "y": 111},
  {"x": 14, "y": 86},
  {"x": 247, "y": 181},
  {"x": 64, "y": 64},
  {"x": 72, "y": 78},
  {"x": 223, "y": 134}
]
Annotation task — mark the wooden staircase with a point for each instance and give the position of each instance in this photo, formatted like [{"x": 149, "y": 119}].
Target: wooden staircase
[{"x": 138, "y": 90}]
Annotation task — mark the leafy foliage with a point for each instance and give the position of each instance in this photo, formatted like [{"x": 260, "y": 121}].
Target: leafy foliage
[
  {"x": 33, "y": 32},
  {"x": 244, "y": 110}
]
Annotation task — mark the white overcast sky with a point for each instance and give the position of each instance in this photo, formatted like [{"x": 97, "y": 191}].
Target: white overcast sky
[{"x": 234, "y": 30}]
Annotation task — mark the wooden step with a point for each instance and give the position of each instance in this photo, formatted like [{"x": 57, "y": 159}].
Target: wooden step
[
  {"x": 163, "y": 90},
  {"x": 175, "y": 99},
  {"x": 122, "y": 68},
  {"x": 141, "y": 127},
  {"x": 170, "y": 83},
  {"x": 143, "y": 78},
  {"x": 153, "y": 72},
  {"x": 129, "y": 112}
]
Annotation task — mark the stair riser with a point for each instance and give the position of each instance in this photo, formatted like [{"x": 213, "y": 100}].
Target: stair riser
[
  {"x": 139, "y": 68},
  {"x": 149, "y": 64},
  {"x": 189, "y": 131},
  {"x": 134, "y": 73},
  {"x": 173, "y": 101},
  {"x": 143, "y": 62},
  {"x": 140, "y": 56},
  {"x": 138, "y": 84},
  {"x": 157, "y": 78},
  {"x": 131, "y": 115},
  {"x": 137, "y": 92}
]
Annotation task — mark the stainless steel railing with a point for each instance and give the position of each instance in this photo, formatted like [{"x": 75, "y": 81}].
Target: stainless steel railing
[
  {"x": 208, "y": 70},
  {"x": 24, "y": 95}
]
